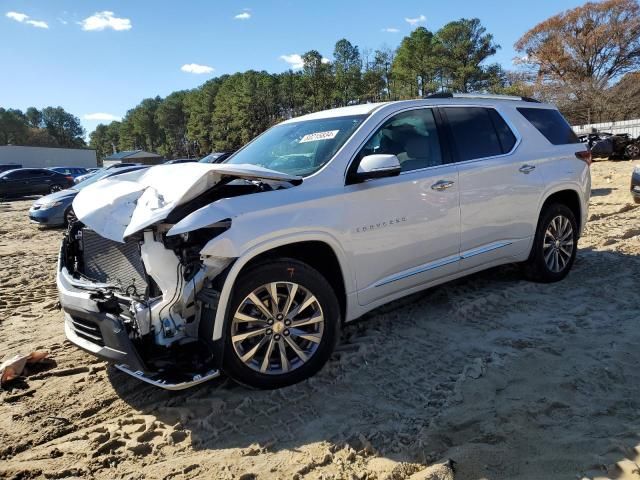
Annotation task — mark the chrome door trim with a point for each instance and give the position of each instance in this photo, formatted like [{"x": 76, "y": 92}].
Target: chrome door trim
[
  {"x": 484, "y": 249},
  {"x": 417, "y": 270},
  {"x": 443, "y": 262}
]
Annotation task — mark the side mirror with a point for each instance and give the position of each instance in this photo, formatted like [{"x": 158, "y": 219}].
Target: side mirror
[{"x": 378, "y": 166}]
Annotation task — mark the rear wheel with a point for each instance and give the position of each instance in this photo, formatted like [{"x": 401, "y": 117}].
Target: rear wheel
[
  {"x": 282, "y": 324},
  {"x": 633, "y": 151},
  {"x": 554, "y": 246},
  {"x": 55, "y": 188}
]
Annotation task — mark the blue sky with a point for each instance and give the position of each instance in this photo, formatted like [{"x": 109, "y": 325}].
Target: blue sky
[{"x": 103, "y": 57}]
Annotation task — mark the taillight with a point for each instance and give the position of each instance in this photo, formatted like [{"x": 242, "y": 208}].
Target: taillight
[
  {"x": 585, "y": 156},
  {"x": 70, "y": 178}
]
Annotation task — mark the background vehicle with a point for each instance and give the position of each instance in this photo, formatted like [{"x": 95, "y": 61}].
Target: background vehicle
[
  {"x": 215, "y": 157},
  {"x": 56, "y": 210},
  {"x": 251, "y": 266},
  {"x": 70, "y": 171},
  {"x": 635, "y": 183},
  {"x": 180, "y": 160},
  {"x": 10, "y": 166},
  {"x": 612, "y": 146},
  {"x": 32, "y": 181},
  {"x": 82, "y": 178}
]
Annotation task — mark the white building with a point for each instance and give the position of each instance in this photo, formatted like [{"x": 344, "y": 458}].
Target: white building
[
  {"x": 47, "y": 157},
  {"x": 632, "y": 127}
]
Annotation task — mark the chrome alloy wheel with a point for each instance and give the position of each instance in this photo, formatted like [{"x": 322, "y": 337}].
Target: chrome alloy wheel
[
  {"x": 277, "y": 328},
  {"x": 558, "y": 244}
]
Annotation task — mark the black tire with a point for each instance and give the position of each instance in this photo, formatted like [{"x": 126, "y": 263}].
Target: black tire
[
  {"x": 55, "y": 188},
  {"x": 633, "y": 151},
  {"x": 284, "y": 271},
  {"x": 536, "y": 268}
]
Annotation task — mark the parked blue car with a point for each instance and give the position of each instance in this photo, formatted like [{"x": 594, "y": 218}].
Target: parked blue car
[{"x": 55, "y": 210}]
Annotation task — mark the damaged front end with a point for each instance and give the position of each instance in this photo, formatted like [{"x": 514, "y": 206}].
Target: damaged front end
[{"x": 140, "y": 302}]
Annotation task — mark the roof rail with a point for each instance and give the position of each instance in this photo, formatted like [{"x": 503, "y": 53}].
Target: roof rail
[{"x": 489, "y": 96}]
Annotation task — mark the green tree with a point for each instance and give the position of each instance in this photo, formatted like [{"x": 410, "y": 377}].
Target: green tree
[
  {"x": 34, "y": 117},
  {"x": 347, "y": 66},
  {"x": 416, "y": 63},
  {"x": 171, "y": 117},
  {"x": 461, "y": 48},
  {"x": 13, "y": 127},
  {"x": 318, "y": 81},
  {"x": 200, "y": 104},
  {"x": 63, "y": 126}
]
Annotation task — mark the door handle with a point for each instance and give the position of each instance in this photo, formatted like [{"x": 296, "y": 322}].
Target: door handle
[
  {"x": 442, "y": 185},
  {"x": 527, "y": 168}
]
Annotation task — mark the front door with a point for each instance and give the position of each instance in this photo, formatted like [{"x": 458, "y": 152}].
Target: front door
[{"x": 404, "y": 230}]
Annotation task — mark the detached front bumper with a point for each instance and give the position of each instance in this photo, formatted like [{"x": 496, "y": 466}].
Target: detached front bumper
[{"x": 104, "y": 335}]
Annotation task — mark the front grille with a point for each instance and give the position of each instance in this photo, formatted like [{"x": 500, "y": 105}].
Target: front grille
[
  {"x": 87, "y": 330},
  {"x": 112, "y": 262}
]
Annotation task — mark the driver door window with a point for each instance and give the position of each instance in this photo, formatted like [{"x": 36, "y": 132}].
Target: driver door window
[{"x": 411, "y": 136}]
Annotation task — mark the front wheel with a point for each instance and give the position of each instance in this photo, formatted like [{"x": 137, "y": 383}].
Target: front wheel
[
  {"x": 554, "y": 246},
  {"x": 282, "y": 324}
]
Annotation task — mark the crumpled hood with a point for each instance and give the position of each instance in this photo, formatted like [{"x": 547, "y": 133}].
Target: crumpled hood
[{"x": 124, "y": 204}]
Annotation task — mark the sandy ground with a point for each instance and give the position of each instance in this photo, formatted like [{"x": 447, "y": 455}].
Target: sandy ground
[{"x": 508, "y": 379}]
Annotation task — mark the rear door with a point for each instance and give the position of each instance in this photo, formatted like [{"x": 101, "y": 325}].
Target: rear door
[
  {"x": 499, "y": 190},
  {"x": 40, "y": 181}
]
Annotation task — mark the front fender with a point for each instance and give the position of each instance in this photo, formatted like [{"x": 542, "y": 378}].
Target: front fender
[{"x": 226, "y": 244}]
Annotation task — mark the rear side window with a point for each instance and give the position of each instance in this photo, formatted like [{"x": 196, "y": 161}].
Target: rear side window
[
  {"x": 506, "y": 136},
  {"x": 475, "y": 135},
  {"x": 551, "y": 124}
]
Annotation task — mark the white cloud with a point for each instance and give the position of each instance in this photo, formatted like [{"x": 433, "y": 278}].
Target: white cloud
[
  {"x": 37, "y": 23},
  {"x": 415, "y": 21},
  {"x": 18, "y": 17},
  {"x": 294, "y": 60},
  {"x": 101, "y": 116},
  {"x": 325, "y": 60},
  {"x": 390, "y": 30},
  {"x": 24, "y": 18},
  {"x": 243, "y": 16},
  {"x": 195, "y": 68},
  {"x": 103, "y": 20}
]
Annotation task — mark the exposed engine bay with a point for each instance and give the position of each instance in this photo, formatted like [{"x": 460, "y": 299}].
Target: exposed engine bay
[{"x": 153, "y": 290}]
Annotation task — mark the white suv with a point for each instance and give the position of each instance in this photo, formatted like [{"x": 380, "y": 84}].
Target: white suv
[{"x": 178, "y": 272}]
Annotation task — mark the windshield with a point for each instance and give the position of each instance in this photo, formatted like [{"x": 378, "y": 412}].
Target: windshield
[{"x": 298, "y": 148}]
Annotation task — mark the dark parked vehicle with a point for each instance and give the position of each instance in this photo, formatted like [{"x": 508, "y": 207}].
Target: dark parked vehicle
[
  {"x": 635, "y": 184},
  {"x": 56, "y": 209},
  {"x": 32, "y": 181},
  {"x": 11, "y": 166},
  {"x": 613, "y": 146},
  {"x": 71, "y": 171},
  {"x": 215, "y": 157}
]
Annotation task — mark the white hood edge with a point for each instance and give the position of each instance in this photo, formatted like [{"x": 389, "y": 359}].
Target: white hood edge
[{"x": 124, "y": 204}]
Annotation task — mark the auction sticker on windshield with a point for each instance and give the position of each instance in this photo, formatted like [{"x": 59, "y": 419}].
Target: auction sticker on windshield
[{"x": 314, "y": 137}]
